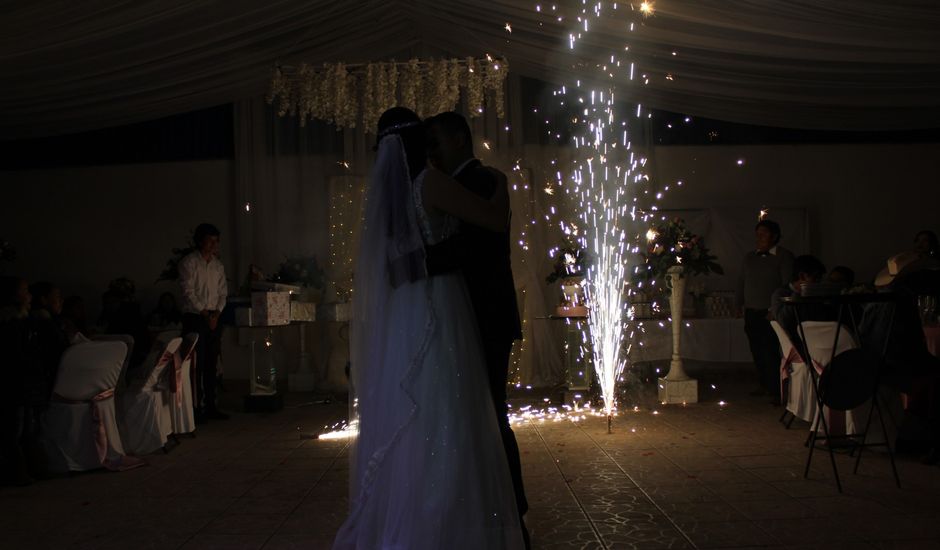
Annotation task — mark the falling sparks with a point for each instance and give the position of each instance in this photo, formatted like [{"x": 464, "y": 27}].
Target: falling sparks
[
  {"x": 606, "y": 168},
  {"x": 612, "y": 194},
  {"x": 576, "y": 412},
  {"x": 341, "y": 430}
]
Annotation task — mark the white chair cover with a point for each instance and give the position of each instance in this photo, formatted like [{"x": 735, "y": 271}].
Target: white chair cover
[
  {"x": 146, "y": 423},
  {"x": 819, "y": 338},
  {"x": 181, "y": 400},
  {"x": 127, "y": 339},
  {"x": 801, "y": 399},
  {"x": 80, "y": 429}
]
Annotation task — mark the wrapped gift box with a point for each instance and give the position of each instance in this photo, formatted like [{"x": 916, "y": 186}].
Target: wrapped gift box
[
  {"x": 303, "y": 311},
  {"x": 270, "y": 309},
  {"x": 341, "y": 312}
]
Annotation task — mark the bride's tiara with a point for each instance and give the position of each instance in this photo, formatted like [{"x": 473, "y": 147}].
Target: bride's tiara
[{"x": 396, "y": 127}]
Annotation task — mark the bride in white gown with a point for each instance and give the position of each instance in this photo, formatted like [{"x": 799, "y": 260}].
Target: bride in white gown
[{"x": 428, "y": 468}]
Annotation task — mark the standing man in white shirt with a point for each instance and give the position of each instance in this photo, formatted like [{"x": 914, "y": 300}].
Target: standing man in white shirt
[
  {"x": 765, "y": 269},
  {"x": 202, "y": 278}
]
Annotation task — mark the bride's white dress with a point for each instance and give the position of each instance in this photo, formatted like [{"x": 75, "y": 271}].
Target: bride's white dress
[{"x": 430, "y": 469}]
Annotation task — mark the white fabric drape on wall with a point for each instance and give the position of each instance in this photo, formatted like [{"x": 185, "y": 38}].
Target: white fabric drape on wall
[{"x": 839, "y": 64}]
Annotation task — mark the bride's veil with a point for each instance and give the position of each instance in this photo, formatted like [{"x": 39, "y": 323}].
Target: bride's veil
[{"x": 391, "y": 255}]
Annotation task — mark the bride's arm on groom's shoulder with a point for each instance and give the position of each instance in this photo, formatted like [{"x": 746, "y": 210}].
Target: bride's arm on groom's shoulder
[{"x": 444, "y": 193}]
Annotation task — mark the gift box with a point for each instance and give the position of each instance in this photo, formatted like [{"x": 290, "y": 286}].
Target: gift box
[
  {"x": 303, "y": 311},
  {"x": 341, "y": 312},
  {"x": 270, "y": 309}
]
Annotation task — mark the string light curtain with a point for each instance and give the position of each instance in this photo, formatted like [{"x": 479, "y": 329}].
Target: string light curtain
[
  {"x": 839, "y": 64},
  {"x": 347, "y": 95}
]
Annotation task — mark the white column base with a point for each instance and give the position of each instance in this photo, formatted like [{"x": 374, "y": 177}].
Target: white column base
[
  {"x": 678, "y": 391},
  {"x": 335, "y": 380}
]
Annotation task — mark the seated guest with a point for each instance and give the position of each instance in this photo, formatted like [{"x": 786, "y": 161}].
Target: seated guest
[
  {"x": 842, "y": 275},
  {"x": 14, "y": 298},
  {"x": 807, "y": 270},
  {"x": 110, "y": 304},
  {"x": 74, "y": 318},
  {"x": 926, "y": 244},
  {"x": 167, "y": 315},
  {"x": 912, "y": 265},
  {"x": 47, "y": 301},
  {"x": 121, "y": 315}
]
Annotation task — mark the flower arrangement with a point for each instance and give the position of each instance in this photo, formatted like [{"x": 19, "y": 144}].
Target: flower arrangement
[
  {"x": 672, "y": 243},
  {"x": 301, "y": 270},
  {"x": 346, "y": 95},
  {"x": 570, "y": 262}
]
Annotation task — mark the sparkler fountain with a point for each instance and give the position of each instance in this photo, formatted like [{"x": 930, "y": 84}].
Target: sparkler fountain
[{"x": 606, "y": 175}]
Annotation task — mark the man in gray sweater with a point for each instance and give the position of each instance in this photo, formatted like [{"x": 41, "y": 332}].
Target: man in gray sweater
[{"x": 765, "y": 270}]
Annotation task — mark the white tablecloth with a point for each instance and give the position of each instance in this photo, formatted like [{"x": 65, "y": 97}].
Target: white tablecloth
[{"x": 720, "y": 340}]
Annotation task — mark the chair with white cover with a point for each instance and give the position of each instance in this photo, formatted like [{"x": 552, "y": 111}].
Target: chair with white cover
[
  {"x": 848, "y": 390},
  {"x": 80, "y": 429},
  {"x": 128, "y": 340},
  {"x": 799, "y": 397},
  {"x": 819, "y": 337},
  {"x": 145, "y": 423},
  {"x": 181, "y": 394}
]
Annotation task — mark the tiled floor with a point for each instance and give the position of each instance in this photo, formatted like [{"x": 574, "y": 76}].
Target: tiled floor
[{"x": 700, "y": 476}]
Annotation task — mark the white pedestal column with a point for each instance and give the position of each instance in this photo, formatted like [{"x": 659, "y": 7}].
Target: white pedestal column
[
  {"x": 677, "y": 386},
  {"x": 302, "y": 379},
  {"x": 338, "y": 316}
]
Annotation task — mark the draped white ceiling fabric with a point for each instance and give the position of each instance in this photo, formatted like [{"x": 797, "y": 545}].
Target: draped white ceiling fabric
[{"x": 829, "y": 64}]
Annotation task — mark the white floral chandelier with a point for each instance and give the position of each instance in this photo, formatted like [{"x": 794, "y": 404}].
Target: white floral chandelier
[{"x": 346, "y": 95}]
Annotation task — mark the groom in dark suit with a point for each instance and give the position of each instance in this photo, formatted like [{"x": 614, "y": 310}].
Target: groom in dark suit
[{"x": 484, "y": 258}]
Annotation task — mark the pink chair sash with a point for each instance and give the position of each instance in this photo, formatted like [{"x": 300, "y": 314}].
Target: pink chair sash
[
  {"x": 170, "y": 377},
  {"x": 176, "y": 383},
  {"x": 791, "y": 357},
  {"x": 100, "y": 434}
]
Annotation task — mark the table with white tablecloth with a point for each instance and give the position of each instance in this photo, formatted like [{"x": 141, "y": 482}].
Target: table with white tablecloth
[{"x": 717, "y": 340}]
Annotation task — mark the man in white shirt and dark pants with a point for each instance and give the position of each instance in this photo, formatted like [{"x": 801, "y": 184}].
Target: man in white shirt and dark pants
[
  {"x": 765, "y": 270},
  {"x": 202, "y": 278}
]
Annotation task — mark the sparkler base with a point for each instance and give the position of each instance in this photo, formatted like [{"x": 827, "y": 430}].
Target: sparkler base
[{"x": 678, "y": 391}]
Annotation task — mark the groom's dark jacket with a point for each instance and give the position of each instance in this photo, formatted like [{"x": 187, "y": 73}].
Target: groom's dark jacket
[{"x": 484, "y": 258}]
